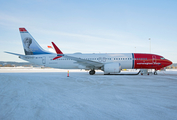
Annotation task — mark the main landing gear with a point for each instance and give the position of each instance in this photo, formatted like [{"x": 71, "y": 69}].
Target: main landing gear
[{"x": 92, "y": 72}]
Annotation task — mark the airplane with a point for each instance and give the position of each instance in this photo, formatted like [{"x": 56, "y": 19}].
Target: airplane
[{"x": 110, "y": 63}]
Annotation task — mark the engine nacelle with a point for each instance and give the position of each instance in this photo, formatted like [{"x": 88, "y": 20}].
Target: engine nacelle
[{"x": 112, "y": 68}]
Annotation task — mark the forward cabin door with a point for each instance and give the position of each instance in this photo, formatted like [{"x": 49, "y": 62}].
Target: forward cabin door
[{"x": 154, "y": 59}]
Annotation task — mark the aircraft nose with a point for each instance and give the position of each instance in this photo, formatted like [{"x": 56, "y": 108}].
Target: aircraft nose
[{"x": 169, "y": 62}]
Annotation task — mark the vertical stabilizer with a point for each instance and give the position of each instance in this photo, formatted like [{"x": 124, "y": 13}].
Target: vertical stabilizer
[{"x": 30, "y": 45}]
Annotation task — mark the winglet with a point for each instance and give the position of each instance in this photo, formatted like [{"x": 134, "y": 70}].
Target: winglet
[
  {"x": 58, "y": 51},
  {"x": 49, "y": 46}
]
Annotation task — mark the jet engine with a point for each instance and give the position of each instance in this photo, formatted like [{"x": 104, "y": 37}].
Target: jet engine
[{"x": 112, "y": 68}]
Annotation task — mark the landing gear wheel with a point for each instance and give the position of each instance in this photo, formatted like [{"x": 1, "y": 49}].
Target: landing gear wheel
[
  {"x": 92, "y": 72},
  {"x": 155, "y": 73}
]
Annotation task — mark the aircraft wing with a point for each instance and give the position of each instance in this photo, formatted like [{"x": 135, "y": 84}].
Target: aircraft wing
[
  {"x": 87, "y": 63},
  {"x": 84, "y": 62}
]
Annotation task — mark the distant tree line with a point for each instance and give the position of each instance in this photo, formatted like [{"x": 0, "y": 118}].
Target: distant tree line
[
  {"x": 7, "y": 65},
  {"x": 15, "y": 64},
  {"x": 172, "y": 67}
]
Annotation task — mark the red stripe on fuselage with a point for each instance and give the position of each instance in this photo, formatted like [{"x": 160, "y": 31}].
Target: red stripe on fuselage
[{"x": 149, "y": 61}]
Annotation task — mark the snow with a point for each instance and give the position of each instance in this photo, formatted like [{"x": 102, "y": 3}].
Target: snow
[{"x": 33, "y": 94}]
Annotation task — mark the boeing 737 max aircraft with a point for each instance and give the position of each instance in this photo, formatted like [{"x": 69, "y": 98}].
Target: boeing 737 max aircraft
[{"x": 110, "y": 63}]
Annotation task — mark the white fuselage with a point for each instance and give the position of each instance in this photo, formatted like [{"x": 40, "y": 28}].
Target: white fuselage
[{"x": 125, "y": 59}]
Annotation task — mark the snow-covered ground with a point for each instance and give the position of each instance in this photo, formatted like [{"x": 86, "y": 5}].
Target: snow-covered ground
[{"x": 51, "y": 95}]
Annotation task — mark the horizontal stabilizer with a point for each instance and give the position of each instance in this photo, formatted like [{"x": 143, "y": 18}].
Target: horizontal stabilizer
[{"x": 13, "y": 53}]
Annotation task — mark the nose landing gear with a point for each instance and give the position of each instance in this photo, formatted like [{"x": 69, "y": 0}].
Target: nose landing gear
[{"x": 155, "y": 73}]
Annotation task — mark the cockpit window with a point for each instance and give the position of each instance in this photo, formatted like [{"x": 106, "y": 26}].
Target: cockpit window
[{"x": 162, "y": 58}]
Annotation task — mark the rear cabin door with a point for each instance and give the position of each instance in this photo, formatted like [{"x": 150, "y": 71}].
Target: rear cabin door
[{"x": 43, "y": 60}]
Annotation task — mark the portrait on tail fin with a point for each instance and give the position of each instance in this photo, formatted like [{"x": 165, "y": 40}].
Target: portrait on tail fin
[{"x": 27, "y": 42}]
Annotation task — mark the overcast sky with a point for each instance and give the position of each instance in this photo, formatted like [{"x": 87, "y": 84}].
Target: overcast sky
[{"x": 91, "y": 26}]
